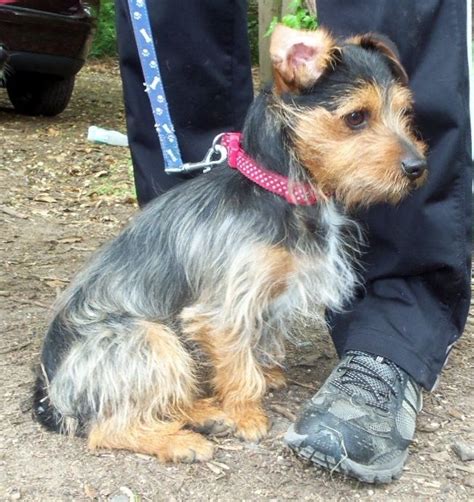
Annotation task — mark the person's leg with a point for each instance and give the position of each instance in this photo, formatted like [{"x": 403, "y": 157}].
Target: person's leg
[
  {"x": 204, "y": 58},
  {"x": 417, "y": 269}
]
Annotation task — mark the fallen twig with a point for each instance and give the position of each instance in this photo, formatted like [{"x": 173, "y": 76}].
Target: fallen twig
[
  {"x": 301, "y": 384},
  {"x": 283, "y": 412},
  {"x": 16, "y": 348},
  {"x": 32, "y": 302}
]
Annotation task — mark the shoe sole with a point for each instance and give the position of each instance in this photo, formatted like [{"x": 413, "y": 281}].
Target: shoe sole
[{"x": 378, "y": 475}]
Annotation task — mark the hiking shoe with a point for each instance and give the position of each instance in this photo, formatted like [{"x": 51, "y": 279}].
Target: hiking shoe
[{"x": 361, "y": 421}]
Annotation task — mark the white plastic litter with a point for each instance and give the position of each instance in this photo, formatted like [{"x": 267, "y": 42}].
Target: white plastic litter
[{"x": 99, "y": 135}]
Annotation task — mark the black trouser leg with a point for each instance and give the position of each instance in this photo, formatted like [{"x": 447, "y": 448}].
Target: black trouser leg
[
  {"x": 418, "y": 265},
  {"x": 204, "y": 59}
]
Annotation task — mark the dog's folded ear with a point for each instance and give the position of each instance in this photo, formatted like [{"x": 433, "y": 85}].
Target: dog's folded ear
[
  {"x": 382, "y": 44},
  {"x": 299, "y": 57}
]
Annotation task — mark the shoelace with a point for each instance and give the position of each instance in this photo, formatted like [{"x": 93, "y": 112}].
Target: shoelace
[{"x": 372, "y": 377}]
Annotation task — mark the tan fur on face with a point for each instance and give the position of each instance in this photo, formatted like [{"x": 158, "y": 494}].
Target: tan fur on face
[{"x": 359, "y": 167}]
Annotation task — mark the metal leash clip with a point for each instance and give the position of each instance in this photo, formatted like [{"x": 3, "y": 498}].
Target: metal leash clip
[{"x": 216, "y": 155}]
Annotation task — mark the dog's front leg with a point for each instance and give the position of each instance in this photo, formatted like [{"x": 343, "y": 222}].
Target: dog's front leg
[
  {"x": 231, "y": 331},
  {"x": 238, "y": 381},
  {"x": 240, "y": 385}
]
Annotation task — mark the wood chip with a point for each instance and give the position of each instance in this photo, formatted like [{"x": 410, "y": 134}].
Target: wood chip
[
  {"x": 221, "y": 465},
  {"x": 12, "y": 212},
  {"x": 230, "y": 447},
  {"x": 213, "y": 468}
]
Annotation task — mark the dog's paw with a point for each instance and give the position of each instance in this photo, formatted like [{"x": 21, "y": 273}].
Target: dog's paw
[
  {"x": 274, "y": 378},
  {"x": 251, "y": 424},
  {"x": 186, "y": 447},
  {"x": 208, "y": 417},
  {"x": 222, "y": 426}
]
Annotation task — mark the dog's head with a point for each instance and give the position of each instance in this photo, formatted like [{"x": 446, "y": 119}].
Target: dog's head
[{"x": 349, "y": 112}]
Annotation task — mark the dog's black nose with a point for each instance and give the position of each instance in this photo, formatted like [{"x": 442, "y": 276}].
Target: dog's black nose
[{"x": 413, "y": 167}]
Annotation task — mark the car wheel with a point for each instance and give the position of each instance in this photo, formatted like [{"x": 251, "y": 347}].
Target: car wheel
[{"x": 39, "y": 94}]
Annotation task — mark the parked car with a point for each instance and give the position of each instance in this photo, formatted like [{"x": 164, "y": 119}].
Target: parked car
[{"x": 45, "y": 43}]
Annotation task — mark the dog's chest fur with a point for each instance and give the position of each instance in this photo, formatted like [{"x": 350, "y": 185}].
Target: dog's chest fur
[{"x": 324, "y": 259}]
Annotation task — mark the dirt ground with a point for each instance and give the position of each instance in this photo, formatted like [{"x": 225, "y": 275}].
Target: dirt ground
[{"x": 60, "y": 198}]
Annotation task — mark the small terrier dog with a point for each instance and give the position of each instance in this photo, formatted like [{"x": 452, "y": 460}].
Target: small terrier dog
[{"x": 177, "y": 327}]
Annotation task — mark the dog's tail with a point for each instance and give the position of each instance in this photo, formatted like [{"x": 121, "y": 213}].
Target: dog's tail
[
  {"x": 43, "y": 411},
  {"x": 56, "y": 346}
]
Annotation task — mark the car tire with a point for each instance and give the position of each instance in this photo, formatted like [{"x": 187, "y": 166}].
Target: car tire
[{"x": 38, "y": 93}]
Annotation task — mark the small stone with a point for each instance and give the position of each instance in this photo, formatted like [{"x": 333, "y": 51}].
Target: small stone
[
  {"x": 463, "y": 450},
  {"x": 119, "y": 497},
  {"x": 429, "y": 427},
  {"x": 14, "y": 494},
  {"x": 469, "y": 481}
]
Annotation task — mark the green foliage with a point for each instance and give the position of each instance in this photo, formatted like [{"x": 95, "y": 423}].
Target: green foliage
[
  {"x": 252, "y": 24},
  {"x": 300, "y": 18},
  {"x": 105, "y": 40}
]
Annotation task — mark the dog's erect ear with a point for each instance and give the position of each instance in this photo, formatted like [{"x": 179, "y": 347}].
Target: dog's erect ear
[
  {"x": 382, "y": 44},
  {"x": 299, "y": 57}
]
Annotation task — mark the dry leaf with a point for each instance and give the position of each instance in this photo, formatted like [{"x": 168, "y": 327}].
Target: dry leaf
[
  {"x": 45, "y": 198},
  {"x": 453, "y": 412}
]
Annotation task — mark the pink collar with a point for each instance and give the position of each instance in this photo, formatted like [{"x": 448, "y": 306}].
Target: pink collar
[{"x": 300, "y": 194}]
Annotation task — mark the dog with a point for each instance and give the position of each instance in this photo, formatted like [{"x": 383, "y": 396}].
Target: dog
[{"x": 177, "y": 327}]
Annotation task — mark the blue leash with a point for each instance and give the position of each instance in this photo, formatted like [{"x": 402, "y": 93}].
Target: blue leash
[{"x": 159, "y": 105}]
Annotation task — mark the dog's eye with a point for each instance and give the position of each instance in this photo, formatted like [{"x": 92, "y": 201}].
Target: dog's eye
[{"x": 357, "y": 119}]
